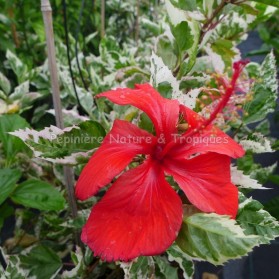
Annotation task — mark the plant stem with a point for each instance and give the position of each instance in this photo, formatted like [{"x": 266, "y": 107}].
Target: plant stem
[
  {"x": 68, "y": 171},
  {"x": 137, "y": 27},
  {"x": 214, "y": 15},
  {"x": 103, "y": 18},
  {"x": 13, "y": 27}
]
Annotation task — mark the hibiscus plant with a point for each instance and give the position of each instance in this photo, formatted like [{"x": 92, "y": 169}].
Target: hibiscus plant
[{"x": 158, "y": 156}]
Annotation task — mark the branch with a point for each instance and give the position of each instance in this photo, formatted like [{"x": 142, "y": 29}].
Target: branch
[{"x": 206, "y": 27}]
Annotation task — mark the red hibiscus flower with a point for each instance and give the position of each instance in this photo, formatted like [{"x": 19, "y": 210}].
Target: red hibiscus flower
[{"x": 141, "y": 213}]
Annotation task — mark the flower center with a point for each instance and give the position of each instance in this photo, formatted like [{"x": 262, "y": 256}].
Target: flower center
[{"x": 158, "y": 152}]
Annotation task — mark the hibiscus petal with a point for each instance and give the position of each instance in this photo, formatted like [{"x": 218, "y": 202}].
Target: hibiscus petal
[
  {"x": 119, "y": 147},
  {"x": 139, "y": 215},
  {"x": 206, "y": 181},
  {"x": 209, "y": 139},
  {"x": 163, "y": 112}
]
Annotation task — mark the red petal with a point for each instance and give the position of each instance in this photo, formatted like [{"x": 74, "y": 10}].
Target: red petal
[
  {"x": 163, "y": 112},
  {"x": 210, "y": 139},
  {"x": 139, "y": 215},
  {"x": 206, "y": 181},
  {"x": 120, "y": 146}
]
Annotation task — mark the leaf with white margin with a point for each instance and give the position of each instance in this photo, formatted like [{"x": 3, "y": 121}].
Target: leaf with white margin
[
  {"x": 265, "y": 92},
  {"x": 222, "y": 54},
  {"x": 13, "y": 269},
  {"x": 177, "y": 16},
  {"x": 244, "y": 181},
  {"x": 214, "y": 238},
  {"x": 70, "y": 117},
  {"x": 85, "y": 97},
  {"x": 254, "y": 220},
  {"x": 262, "y": 173},
  {"x": 67, "y": 146},
  {"x": 5, "y": 84},
  {"x": 138, "y": 268},
  {"x": 175, "y": 254},
  {"x": 41, "y": 262},
  {"x": 164, "y": 269},
  {"x": 257, "y": 143},
  {"x": 17, "y": 66},
  {"x": 166, "y": 48},
  {"x": 161, "y": 73},
  {"x": 268, "y": 2},
  {"x": 20, "y": 91},
  {"x": 189, "y": 9},
  {"x": 74, "y": 273}
]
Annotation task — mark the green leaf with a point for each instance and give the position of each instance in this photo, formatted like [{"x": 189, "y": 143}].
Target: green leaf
[
  {"x": 257, "y": 143},
  {"x": 275, "y": 145},
  {"x": 262, "y": 174},
  {"x": 256, "y": 171},
  {"x": 268, "y": 2},
  {"x": 145, "y": 123},
  {"x": 39, "y": 30},
  {"x": 9, "y": 123},
  {"x": 189, "y": 63},
  {"x": 38, "y": 194},
  {"x": 167, "y": 51},
  {"x": 175, "y": 254},
  {"x": 240, "y": 18},
  {"x": 165, "y": 89},
  {"x": 150, "y": 26},
  {"x": 272, "y": 207},
  {"x": 6, "y": 211},
  {"x": 264, "y": 128},
  {"x": 77, "y": 271},
  {"x": 139, "y": 268},
  {"x": 41, "y": 262},
  {"x": 67, "y": 146},
  {"x": 214, "y": 238},
  {"x": 265, "y": 92},
  {"x": 274, "y": 179},
  {"x": 224, "y": 48},
  {"x": 17, "y": 66},
  {"x": 8, "y": 181},
  {"x": 187, "y": 5},
  {"x": 254, "y": 220},
  {"x": 165, "y": 269},
  {"x": 5, "y": 84},
  {"x": 13, "y": 270},
  {"x": 20, "y": 91},
  {"x": 183, "y": 36}
]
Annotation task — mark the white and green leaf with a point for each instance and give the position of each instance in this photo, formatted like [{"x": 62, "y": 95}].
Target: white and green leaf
[
  {"x": 264, "y": 92},
  {"x": 5, "y": 84},
  {"x": 41, "y": 262},
  {"x": 138, "y": 268},
  {"x": 175, "y": 254},
  {"x": 68, "y": 146},
  {"x": 214, "y": 238},
  {"x": 17, "y": 66},
  {"x": 254, "y": 220},
  {"x": 78, "y": 260},
  {"x": 244, "y": 181},
  {"x": 257, "y": 143}
]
